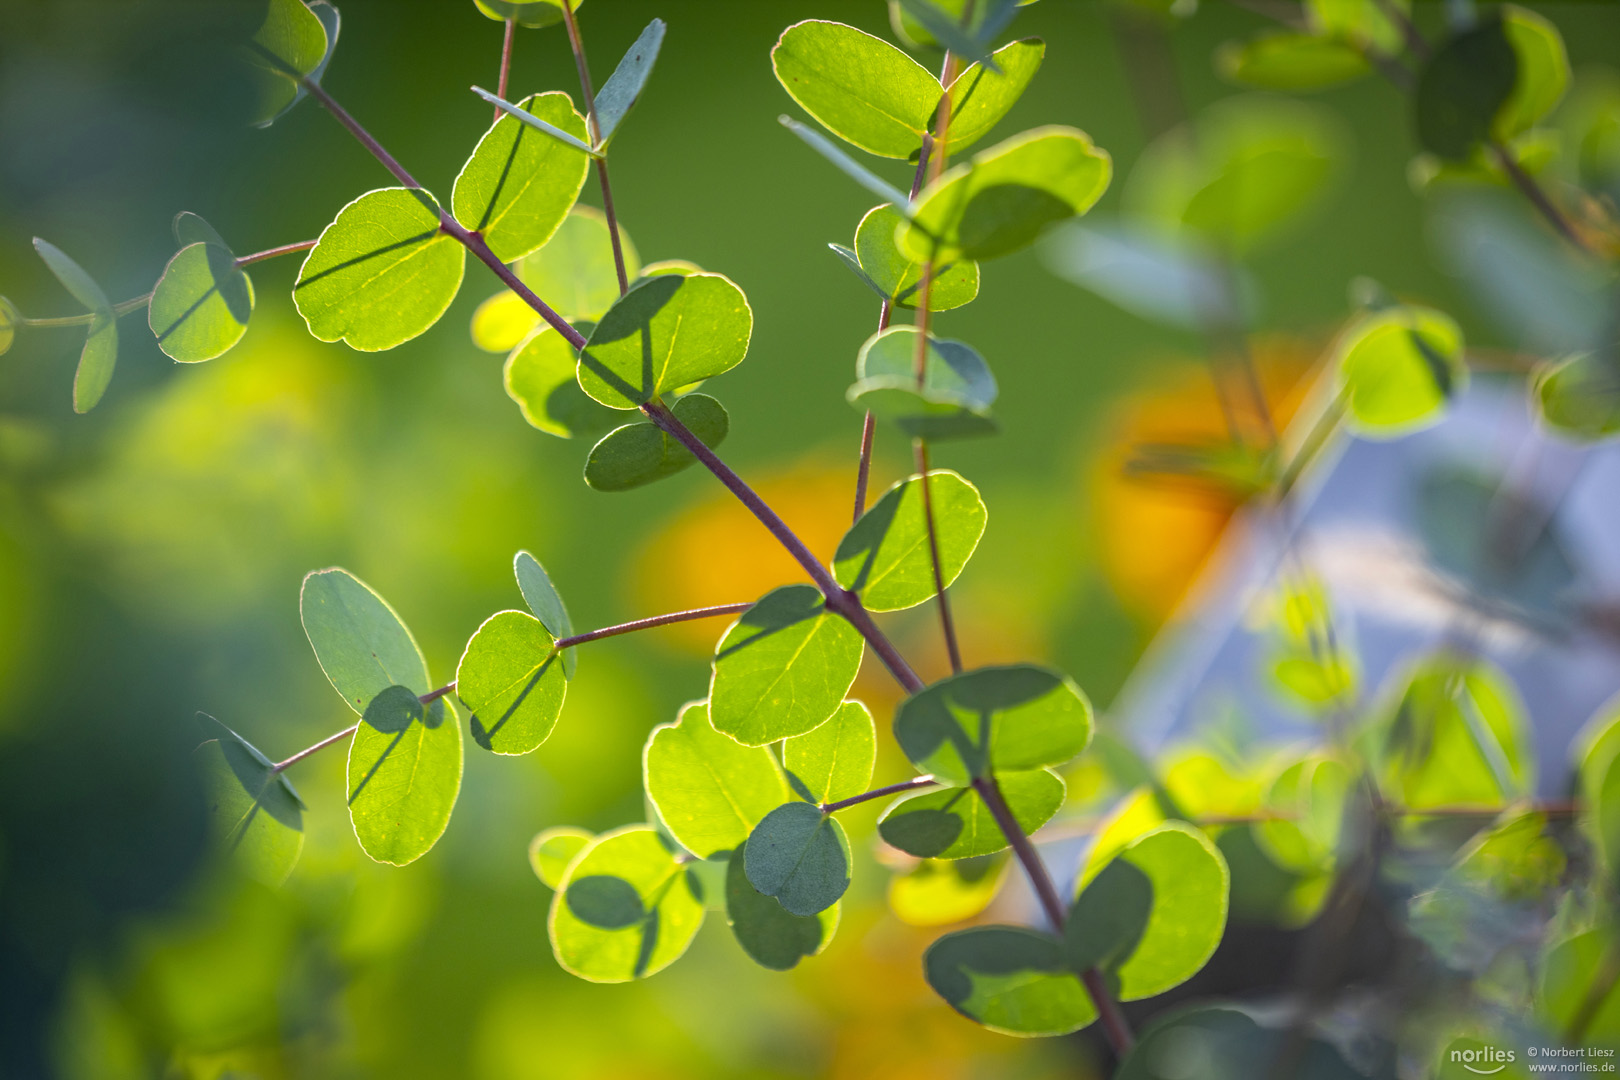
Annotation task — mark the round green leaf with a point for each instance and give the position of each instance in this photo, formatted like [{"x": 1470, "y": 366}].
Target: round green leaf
[
  {"x": 1580, "y": 397},
  {"x": 669, "y": 331},
  {"x": 100, "y": 351},
  {"x": 899, "y": 276},
  {"x": 627, "y": 909},
  {"x": 8, "y": 325},
  {"x": 574, "y": 270},
  {"x": 541, "y": 377},
  {"x": 885, "y": 557},
  {"x": 545, "y": 601},
  {"x": 938, "y": 891},
  {"x": 770, "y": 935},
  {"x": 834, "y": 761},
  {"x": 254, "y": 812},
  {"x": 955, "y": 823},
  {"x": 783, "y": 667},
  {"x": 861, "y": 88},
  {"x": 191, "y": 229},
  {"x": 641, "y": 453},
  {"x": 1399, "y": 370},
  {"x": 292, "y": 39},
  {"x": 553, "y": 849},
  {"x": 361, "y": 644},
  {"x": 520, "y": 183},
  {"x": 709, "y": 791},
  {"x": 993, "y": 719},
  {"x": 513, "y": 682},
  {"x": 1190, "y": 889},
  {"x": 956, "y": 393},
  {"x": 1006, "y": 196},
  {"x": 1107, "y": 920},
  {"x": 1308, "y": 800},
  {"x": 981, "y": 97},
  {"x": 1010, "y": 980},
  {"x": 201, "y": 305},
  {"x": 1457, "y": 736},
  {"x": 382, "y": 272},
  {"x": 800, "y": 856},
  {"x": 1542, "y": 73},
  {"x": 502, "y": 322},
  {"x": 404, "y": 775},
  {"x": 1285, "y": 60},
  {"x": 1463, "y": 86},
  {"x": 531, "y": 13}
]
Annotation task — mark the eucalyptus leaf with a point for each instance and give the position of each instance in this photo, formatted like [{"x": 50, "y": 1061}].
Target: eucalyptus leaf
[
  {"x": 945, "y": 27},
  {"x": 981, "y": 96},
  {"x": 100, "y": 351},
  {"x": 1108, "y": 919},
  {"x": 1542, "y": 70},
  {"x": 574, "y": 270},
  {"x": 1308, "y": 799},
  {"x": 1464, "y": 85},
  {"x": 642, "y": 453},
  {"x": 8, "y": 325},
  {"x": 885, "y": 557},
  {"x": 519, "y": 185},
  {"x": 513, "y": 682},
  {"x": 404, "y": 775},
  {"x": 545, "y": 127},
  {"x": 783, "y": 667},
  {"x": 534, "y": 14},
  {"x": 1579, "y": 397},
  {"x": 553, "y": 849},
  {"x": 290, "y": 44},
  {"x": 1006, "y": 196},
  {"x": 898, "y": 277},
  {"x": 253, "y": 810},
  {"x": 847, "y": 165},
  {"x": 1290, "y": 61},
  {"x": 936, "y": 892},
  {"x": 860, "y": 88},
  {"x": 381, "y": 273},
  {"x": 953, "y": 399},
  {"x": 1009, "y": 979},
  {"x": 1569, "y": 971},
  {"x": 620, "y": 93},
  {"x": 361, "y": 644},
  {"x": 626, "y": 910},
  {"x": 991, "y": 720},
  {"x": 1400, "y": 369},
  {"x": 1227, "y": 1044},
  {"x": 191, "y": 229},
  {"x": 505, "y": 321},
  {"x": 540, "y": 375},
  {"x": 1361, "y": 24},
  {"x": 1456, "y": 736},
  {"x": 669, "y": 331},
  {"x": 955, "y": 823},
  {"x": 772, "y": 936},
  {"x": 800, "y": 856},
  {"x": 710, "y": 791},
  {"x": 835, "y": 760},
  {"x": 201, "y": 305},
  {"x": 545, "y": 601}
]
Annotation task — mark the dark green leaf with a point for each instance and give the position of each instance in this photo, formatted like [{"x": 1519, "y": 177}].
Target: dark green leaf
[
  {"x": 635, "y": 353},
  {"x": 618, "y": 95},
  {"x": 201, "y": 305},
  {"x": 993, "y": 719},
  {"x": 851, "y": 260},
  {"x": 541, "y": 376},
  {"x": 1107, "y": 920},
  {"x": 101, "y": 345},
  {"x": 1462, "y": 87},
  {"x": 861, "y": 88},
  {"x": 710, "y": 791},
  {"x": 291, "y": 43},
  {"x": 545, "y": 601},
  {"x": 800, "y": 856},
  {"x": 382, "y": 272},
  {"x": 254, "y": 811},
  {"x": 1580, "y": 397},
  {"x": 886, "y": 557},
  {"x": 361, "y": 644},
  {"x": 946, "y": 29},
  {"x": 519, "y": 185},
  {"x": 980, "y": 97},
  {"x": 897, "y": 276},
  {"x": 768, "y": 933},
  {"x": 641, "y": 453},
  {"x": 513, "y": 682},
  {"x": 553, "y": 849},
  {"x": 1010, "y": 980},
  {"x": 956, "y": 824},
  {"x": 783, "y": 667},
  {"x": 404, "y": 775},
  {"x": 191, "y": 229},
  {"x": 834, "y": 761},
  {"x": 1218, "y": 1042}
]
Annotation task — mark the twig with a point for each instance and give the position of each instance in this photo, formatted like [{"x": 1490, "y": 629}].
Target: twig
[
  {"x": 281, "y": 766},
  {"x": 577, "y": 43},
  {"x": 506, "y": 61},
  {"x": 1538, "y": 198},
  {"x": 947, "y": 624},
  {"x": 651, "y": 622},
  {"x": 271, "y": 253},
  {"x": 926, "y": 780}
]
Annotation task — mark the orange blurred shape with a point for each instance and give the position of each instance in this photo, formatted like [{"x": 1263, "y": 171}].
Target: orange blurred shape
[{"x": 1154, "y": 536}]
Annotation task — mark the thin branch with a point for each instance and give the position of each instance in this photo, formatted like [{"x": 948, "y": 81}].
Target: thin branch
[
  {"x": 315, "y": 90},
  {"x": 651, "y": 622},
  {"x": 577, "y": 43},
  {"x": 1414, "y": 39},
  {"x": 275, "y": 252},
  {"x": 926, "y": 780},
  {"x": 281, "y": 766},
  {"x": 120, "y": 309},
  {"x": 434, "y": 695},
  {"x": 864, "y": 469},
  {"x": 1538, "y": 198},
  {"x": 475, "y": 244},
  {"x": 946, "y": 623},
  {"x": 506, "y": 62}
]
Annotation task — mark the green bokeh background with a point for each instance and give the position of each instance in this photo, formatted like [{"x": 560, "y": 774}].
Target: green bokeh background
[{"x": 150, "y": 553}]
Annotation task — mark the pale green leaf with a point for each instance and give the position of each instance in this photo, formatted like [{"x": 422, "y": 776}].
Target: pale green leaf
[
  {"x": 253, "y": 810},
  {"x": 541, "y": 376},
  {"x": 669, "y": 331},
  {"x": 404, "y": 775},
  {"x": 1009, "y": 979},
  {"x": 502, "y": 322},
  {"x": 201, "y": 305},
  {"x": 619, "y": 94},
  {"x": 1602, "y": 817},
  {"x": 513, "y": 682},
  {"x": 898, "y": 277},
  {"x": 772, "y": 936},
  {"x": 8, "y": 325},
  {"x": 531, "y": 13},
  {"x": 991, "y": 720},
  {"x": 1400, "y": 369},
  {"x": 955, "y": 823},
  {"x": 955, "y": 395},
  {"x": 642, "y": 453},
  {"x": 361, "y": 644},
  {"x": 575, "y": 271},
  {"x": 885, "y": 557},
  {"x": 553, "y": 849},
  {"x": 861, "y": 88},
  {"x": 980, "y": 97},
  {"x": 519, "y": 185},
  {"x": 936, "y": 892},
  {"x": 1458, "y": 736},
  {"x": 800, "y": 856},
  {"x": 100, "y": 351},
  {"x": 1308, "y": 800},
  {"x": 710, "y": 791},
  {"x": 1542, "y": 74},
  {"x": 291, "y": 43},
  {"x": 834, "y": 761},
  {"x": 545, "y": 601},
  {"x": 847, "y": 165},
  {"x": 1359, "y": 23}
]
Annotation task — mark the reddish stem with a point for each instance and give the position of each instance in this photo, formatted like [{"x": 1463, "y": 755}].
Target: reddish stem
[{"x": 651, "y": 622}]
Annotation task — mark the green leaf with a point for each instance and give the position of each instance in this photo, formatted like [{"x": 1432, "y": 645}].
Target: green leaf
[
  {"x": 1457, "y": 737},
  {"x": 519, "y": 185},
  {"x": 1570, "y": 971},
  {"x": 531, "y": 13},
  {"x": 545, "y": 601},
  {"x": 575, "y": 271},
  {"x": 834, "y": 761},
  {"x": 955, "y": 823},
  {"x": 770, "y": 935},
  {"x": 783, "y": 667},
  {"x": 553, "y": 849},
  {"x": 1006, "y": 196},
  {"x": 1309, "y": 800},
  {"x": 847, "y": 165},
  {"x": 504, "y": 321},
  {"x": 1009, "y": 979},
  {"x": 291, "y": 43},
  {"x": 619, "y": 94},
  {"x": 898, "y": 276},
  {"x": 513, "y": 682},
  {"x": 1400, "y": 368},
  {"x": 404, "y": 775},
  {"x": 541, "y": 377},
  {"x": 669, "y": 331},
  {"x": 191, "y": 229},
  {"x": 1462, "y": 88},
  {"x": 800, "y": 856},
  {"x": 641, "y": 453},
  {"x": 859, "y": 87},
  {"x": 993, "y": 719},
  {"x": 8, "y": 325},
  {"x": 201, "y": 305},
  {"x": 382, "y": 272},
  {"x": 361, "y": 644},
  {"x": 1580, "y": 397},
  {"x": 545, "y": 127},
  {"x": 943, "y": 25},
  {"x": 937, "y": 891},
  {"x": 1542, "y": 75},
  {"x": 980, "y": 97},
  {"x": 956, "y": 393},
  {"x": 886, "y": 558},
  {"x": 254, "y": 811},
  {"x": 1290, "y": 61},
  {"x": 1603, "y": 817},
  {"x": 628, "y": 908},
  {"x": 100, "y": 351},
  {"x": 1361, "y": 24},
  {"x": 709, "y": 791},
  {"x": 1108, "y": 919}
]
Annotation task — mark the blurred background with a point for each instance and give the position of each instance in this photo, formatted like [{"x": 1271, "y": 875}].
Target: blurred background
[{"x": 151, "y": 551}]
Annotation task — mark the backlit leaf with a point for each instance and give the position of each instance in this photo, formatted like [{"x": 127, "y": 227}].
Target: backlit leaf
[
  {"x": 541, "y": 376},
  {"x": 1580, "y": 397},
  {"x": 201, "y": 305},
  {"x": 834, "y": 761},
  {"x": 519, "y": 184},
  {"x": 993, "y": 719},
  {"x": 531, "y": 13},
  {"x": 382, "y": 272},
  {"x": 1359, "y": 23},
  {"x": 861, "y": 88},
  {"x": 1603, "y": 817},
  {"x": 668, "y": 332},
  {"x": 1009, "y": 979},
  {"x": 8, "y": 325},
  {"x": 553, "y": 849},
  {"x": 885, "y": 557},
  {"x": 1309, "y": 801},
  {"x": 898, "y": 276},
  {"x": 404, "y": 775},
  {"x": 291, "y": 42},
  {"x": 955, "y": 395},
  {"x": 1400, "y": 368},
  {"x": 769, "y": 934},
  {"x": 1457, "y": 736},
  {"x": 619, "y": 94},
  {"x": 545, "y": 601},
  {"x": 501, "y": 323},
  {"x": 955, "y": 823},
  {"x": 361, "y": 644},
  {"x": 783, "y": 667},
  {"x": 100, "y": 351},
  {"x": 191, "y": 229},
  {"x": 800, "y": 856},
  {"x": 641, "y": 453},
  {"x": 1570, "y": 971},
  {"x": 1462, "y": 88},
  {"x": 936, "y": 892},
  {"x": 980, "y": 97},
  {"x": 710, "y": 791},
  {"x": 513, "y": 683},
  {"x": 574, "y": 271},
  {"x": 1542, "y": 73},
  {"x": 253, "y": 810},
  {"x": 1286, "y": 60}
]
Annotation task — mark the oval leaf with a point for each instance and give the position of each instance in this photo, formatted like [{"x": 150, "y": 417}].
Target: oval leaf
[
  {"x": 201, "y": 305},
  {"x": 980, "y": 97},
  {"x": 898, "y": 276},
  {"x": 513, "y": 682},
  {"x": 886, "y": 557},
  {"x": 834, "y": 761},
  {"x": 553, "y": 849},
  {"x": 800, "y": 856},
  {"x": 956, "y": 824},
  {"x": 404, "y": 775},
  {"x": 540, "y": 376},
  {"x": 709, "y": 791},
  {"x": 956, "y": 393},
  {"x": 361, "y": 644},
  {"x": 502, "y": 322},
  {"x": 100, "y": 351},
  {"x": 623, "y": 88},
  {"x": 641, "y": 453},
  {"x": 519, "y": 184},
  {"x": 1542, "y": 73},
  {"x": 861, "y": 88},
  {"x": 1463, "y": 86},
  {"x": 575, "y": 270},
  {"x": 1010, "y": 980},
  {"x": 1400, "y": 368},
  {"x": 545, "y": 601},
  {"x": 669, "y": 331},
  {"x": 254, "y": 811},
  {"x": 291, "y": 42},
  {"x": 768, "y": 933},
  {"x": 531, "y": 13}
]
